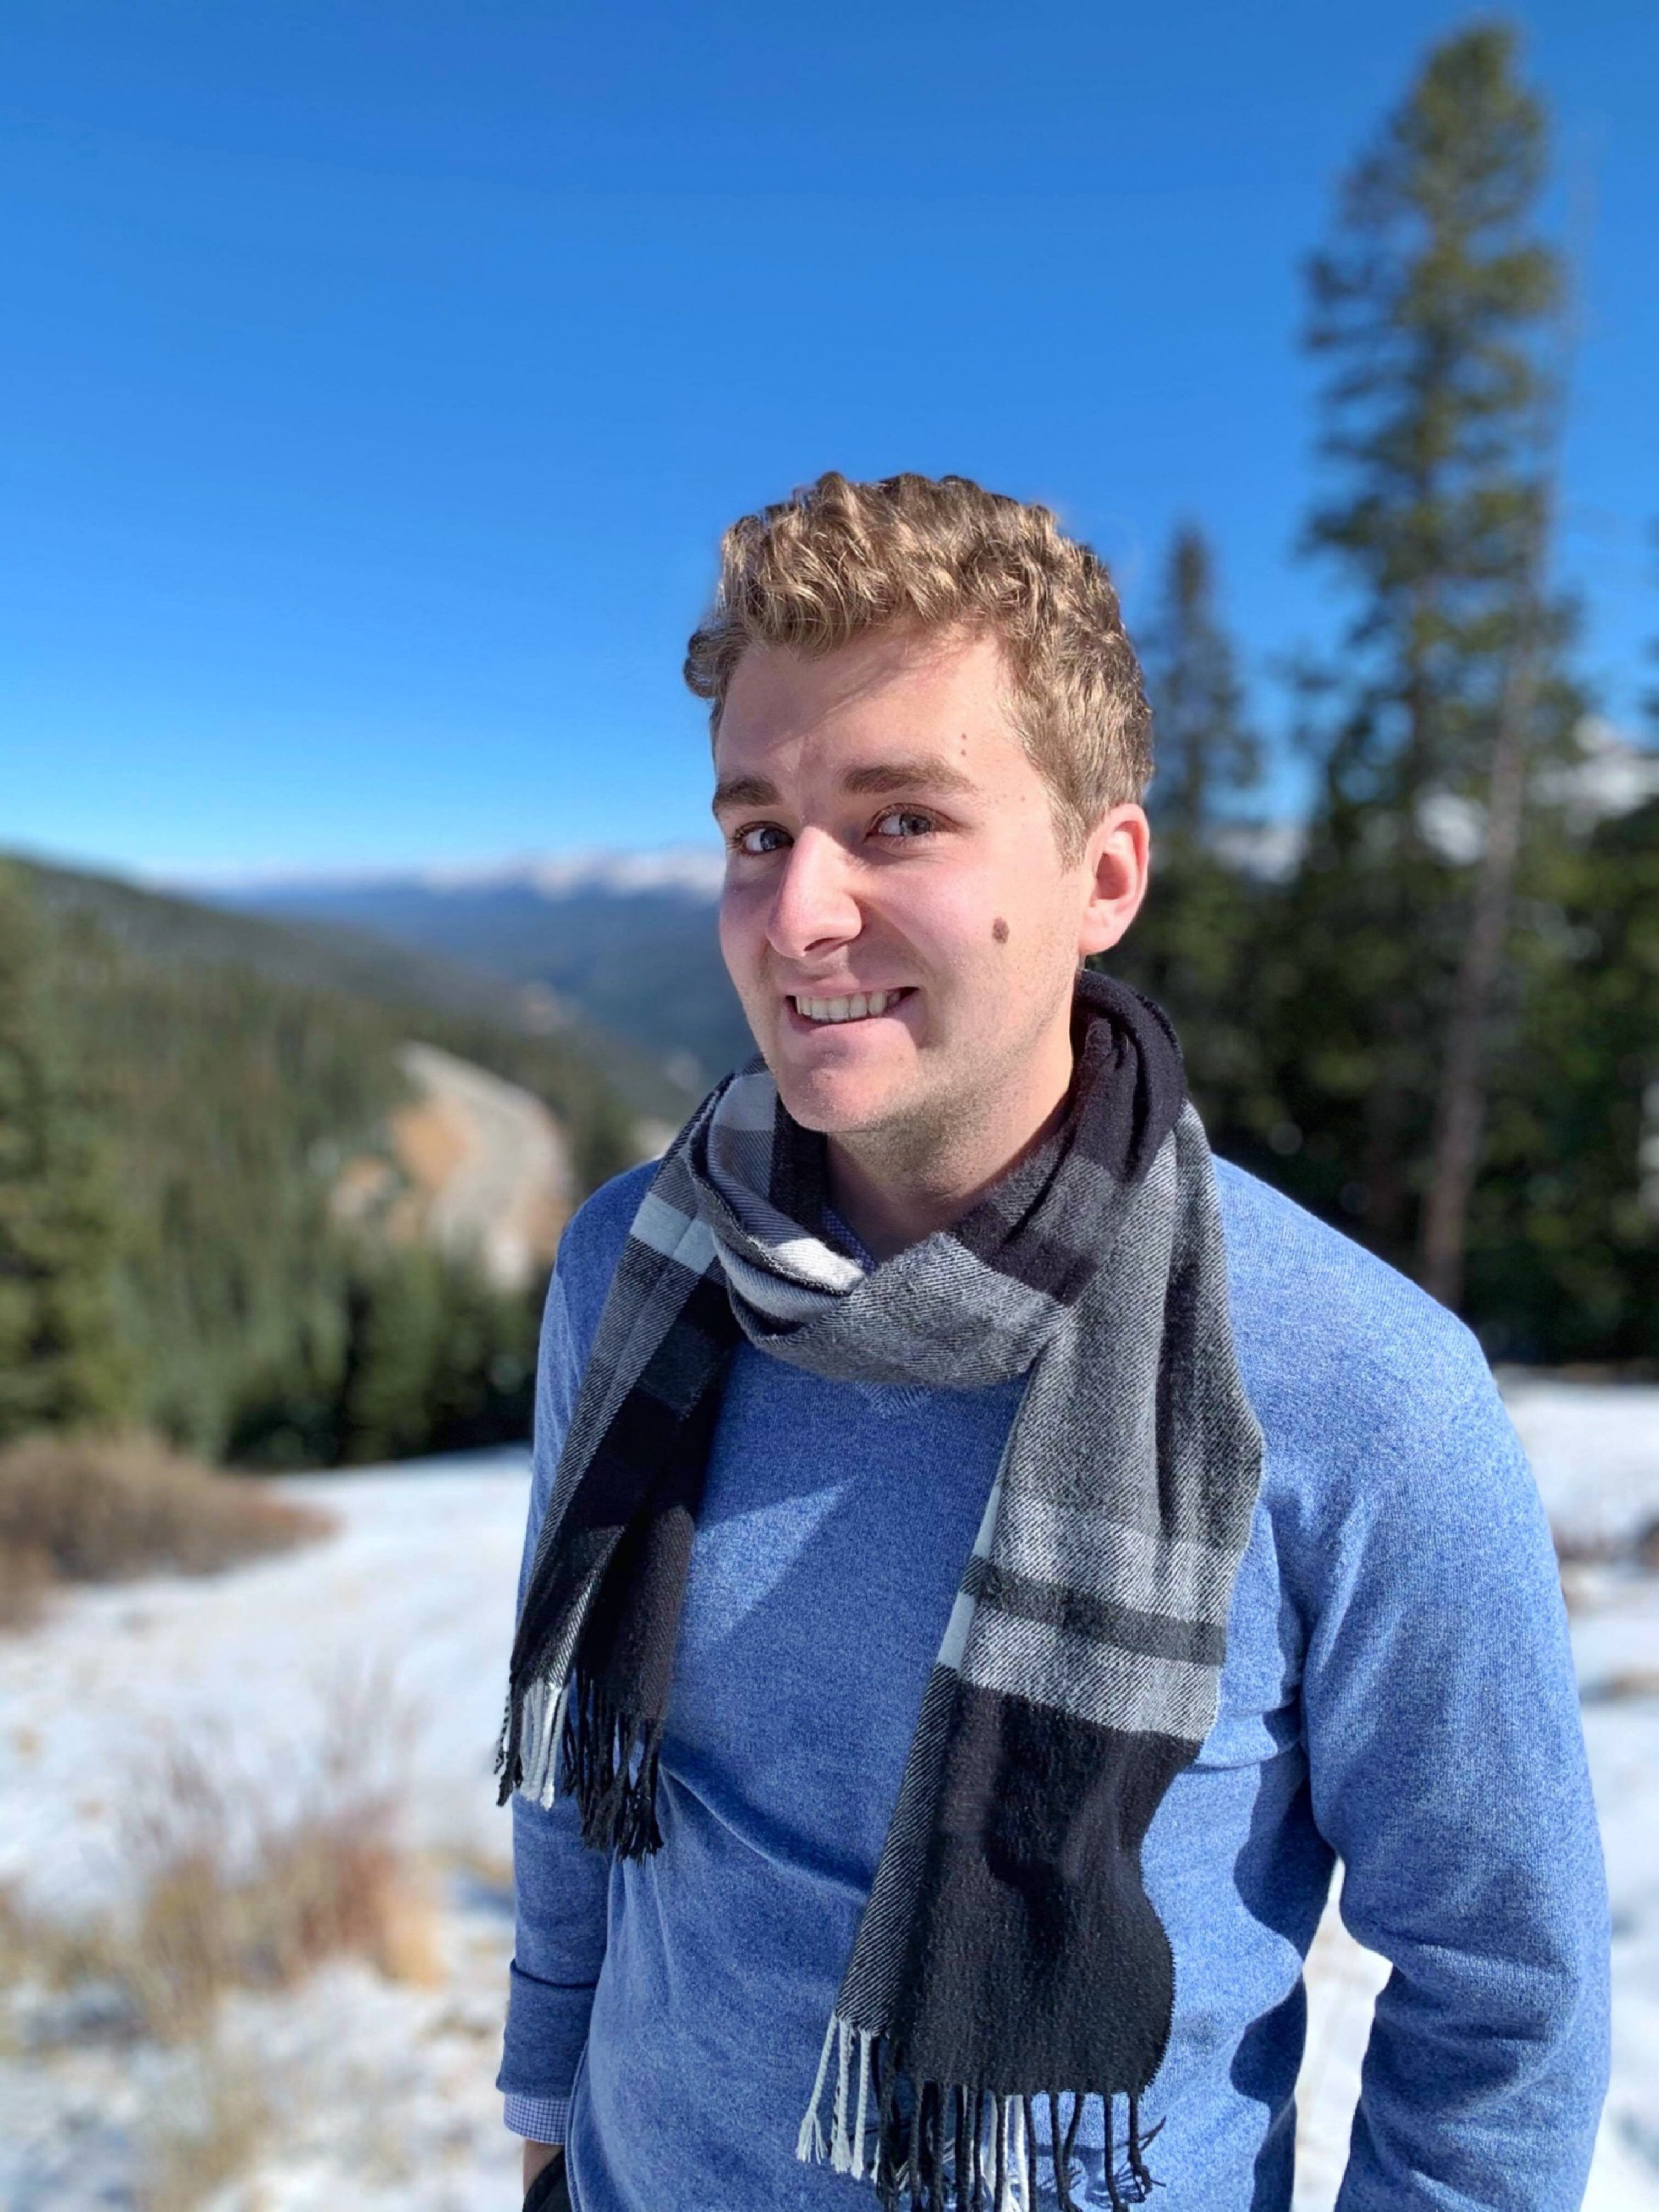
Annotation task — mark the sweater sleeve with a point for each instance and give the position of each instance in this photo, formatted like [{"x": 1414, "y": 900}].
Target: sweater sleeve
[
  {"x": 560, "y": 1886},
  {"x": 1447, "y": 1766}
]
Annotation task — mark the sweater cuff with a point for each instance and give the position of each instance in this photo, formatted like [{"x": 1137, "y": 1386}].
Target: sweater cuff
[
  {"x": 538, "y": 2119},
  {"x": 546, "y": 2034}
]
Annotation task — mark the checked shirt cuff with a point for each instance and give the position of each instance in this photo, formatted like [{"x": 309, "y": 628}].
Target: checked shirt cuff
[{"x": 538, "y": 2119}]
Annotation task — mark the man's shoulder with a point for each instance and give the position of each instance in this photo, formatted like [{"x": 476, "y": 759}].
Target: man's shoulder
[
  {"x": 597, "y": 1230},
  {"x": 1334, "y": 1342}
]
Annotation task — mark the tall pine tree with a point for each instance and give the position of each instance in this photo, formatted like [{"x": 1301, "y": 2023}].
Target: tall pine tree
[
  {"x": 1191, "y": 947},
  {"x": 1206, "y": 751},
  {"x": 1435, "y": 315},
  {"x": 61, "y": 1362}
]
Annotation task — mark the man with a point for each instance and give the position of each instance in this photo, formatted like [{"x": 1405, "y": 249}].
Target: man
[{"x": 987, "y": 1561}]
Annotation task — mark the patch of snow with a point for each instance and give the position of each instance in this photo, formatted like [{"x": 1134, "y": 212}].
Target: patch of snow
[
  {"x": 1595, "y": 1453},
  {"x": 699, "y": 869},
  {"x": 349, "y": 2091},
  {"x": 1612, "y": 774},
  {"x": 417, "y": 1587}
]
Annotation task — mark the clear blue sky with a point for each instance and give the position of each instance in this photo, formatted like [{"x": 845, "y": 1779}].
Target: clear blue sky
[{"x": 374, "y": 380}]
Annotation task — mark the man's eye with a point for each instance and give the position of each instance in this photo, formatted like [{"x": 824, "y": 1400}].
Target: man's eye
[
  {"x": 901, "y": 822},
  {"x": 753, "y": 840}
]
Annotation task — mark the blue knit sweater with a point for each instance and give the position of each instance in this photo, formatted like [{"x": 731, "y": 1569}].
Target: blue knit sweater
[{"x": 1397, "y": 1693}]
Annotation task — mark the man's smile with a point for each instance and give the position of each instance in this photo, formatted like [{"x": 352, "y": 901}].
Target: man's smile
[{"x": 812, "y": 1011}]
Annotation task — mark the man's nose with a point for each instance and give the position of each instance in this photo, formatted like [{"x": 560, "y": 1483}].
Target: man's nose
[{"x": 813, "y": 906}]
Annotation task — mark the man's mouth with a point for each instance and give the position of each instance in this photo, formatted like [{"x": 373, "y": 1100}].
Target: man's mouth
[{"x": 859, "y": 1007}]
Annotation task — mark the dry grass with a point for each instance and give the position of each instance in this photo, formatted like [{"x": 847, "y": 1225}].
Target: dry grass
[
  {"x": 37, "y": 1948},
  {"x": 233, "y": 1889},
  {"x": 206, "y": 2133},
  {"x": 101, "y": 1508},
  {"x": 237, "y": 1893},
  {"x": 239, "y": 1881},
  {"x": 25, "y": 1578},
  {"x": 332, "y": 1881}
]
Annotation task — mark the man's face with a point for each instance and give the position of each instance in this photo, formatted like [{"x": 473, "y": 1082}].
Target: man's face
[{"x": 896, "y": 917}]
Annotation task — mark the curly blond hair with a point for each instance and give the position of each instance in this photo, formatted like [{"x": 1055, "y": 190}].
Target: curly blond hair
[{"x": 838, "y": 560}]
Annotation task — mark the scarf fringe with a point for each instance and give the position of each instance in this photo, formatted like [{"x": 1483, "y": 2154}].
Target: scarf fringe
[
  {"x": 933, "y": 2146},
  {"x": 574, "y": 1741},
  {"x": 530, "y": 1736},
  {"x": 608, "y": 1762}
]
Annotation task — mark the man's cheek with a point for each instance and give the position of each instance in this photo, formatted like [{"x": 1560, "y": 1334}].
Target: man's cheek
[{"x": 738, "y": 949}]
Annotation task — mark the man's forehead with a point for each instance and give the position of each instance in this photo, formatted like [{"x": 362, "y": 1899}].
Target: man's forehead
[{"x": 892, "y": 714}]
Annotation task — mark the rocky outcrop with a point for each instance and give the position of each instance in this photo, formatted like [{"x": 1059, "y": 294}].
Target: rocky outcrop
[{"x": 471, "y": 1164}]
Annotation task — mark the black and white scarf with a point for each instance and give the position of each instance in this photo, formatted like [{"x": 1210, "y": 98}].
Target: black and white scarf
[{"x": 1009, "y": 1964}]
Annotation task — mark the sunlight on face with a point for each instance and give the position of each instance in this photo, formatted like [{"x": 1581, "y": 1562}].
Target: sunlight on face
[{"x": 896, "y": 917}]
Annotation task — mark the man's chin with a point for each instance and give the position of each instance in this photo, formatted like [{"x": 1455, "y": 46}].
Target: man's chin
[{"x": 837, "y": 1103}]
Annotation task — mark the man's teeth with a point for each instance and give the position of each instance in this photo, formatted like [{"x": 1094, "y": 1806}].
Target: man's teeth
[{"x": 846, "y": 1010}]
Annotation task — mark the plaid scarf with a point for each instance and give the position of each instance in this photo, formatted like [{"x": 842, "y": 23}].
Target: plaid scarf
[{"x": 1008, "y": 1964}]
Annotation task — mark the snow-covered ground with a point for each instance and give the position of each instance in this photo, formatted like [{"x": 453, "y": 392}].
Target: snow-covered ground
[{"x": 353, "y": 2091}]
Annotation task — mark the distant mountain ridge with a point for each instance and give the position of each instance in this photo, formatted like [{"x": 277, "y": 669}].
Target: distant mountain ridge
[
  {"x": 697, "y": 869},
  {"x": 627, "y": 940},
  {"x": 293, "y": 945}
]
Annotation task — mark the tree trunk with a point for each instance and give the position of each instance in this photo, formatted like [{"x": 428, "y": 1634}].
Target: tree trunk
[{"x": 1459, "y": 1116}]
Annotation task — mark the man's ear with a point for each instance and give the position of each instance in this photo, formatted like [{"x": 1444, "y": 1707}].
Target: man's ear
[{"x": 1117, "y": 859}]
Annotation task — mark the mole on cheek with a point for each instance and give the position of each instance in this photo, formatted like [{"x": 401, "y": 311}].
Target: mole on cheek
[{"x": 999, "y": 930}]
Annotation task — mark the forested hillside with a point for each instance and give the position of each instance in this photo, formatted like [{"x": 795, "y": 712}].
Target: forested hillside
[{"x": 181, "y": 1090}]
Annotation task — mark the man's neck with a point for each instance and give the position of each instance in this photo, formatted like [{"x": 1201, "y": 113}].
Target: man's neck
[{"x": 893, "y": 1190}]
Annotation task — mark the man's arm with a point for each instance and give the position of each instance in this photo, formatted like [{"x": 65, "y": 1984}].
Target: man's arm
[
  {"x": 560, "y": 1886},
  {"x": 1447, "y": 1766}
]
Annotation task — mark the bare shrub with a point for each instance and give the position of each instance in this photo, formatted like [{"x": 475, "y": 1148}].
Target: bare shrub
[
  {"x": 236, "y": 1888},
  {"x": 101, "y": 1508},
  {"x": 55, "y": 1953},
  {"x": 237, "y": 1891},
  {"x": 25, "y": 1577},
  {"x": 204, "y": 2134}
]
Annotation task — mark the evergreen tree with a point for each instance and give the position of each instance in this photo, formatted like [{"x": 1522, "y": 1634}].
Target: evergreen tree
[
  {"x": 1564, "y": 1238},
  {"x": 1434, "y": 312},
  {"x": 437, "y": 1360},
  {"x": 1206, "y": 751},
  {"x": 62, "y": 1363},
  {"x": 1191, "y": 947}
]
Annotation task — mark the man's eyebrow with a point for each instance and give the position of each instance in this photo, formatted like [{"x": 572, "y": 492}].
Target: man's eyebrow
[
  {"x": 743, "y": 790},
  {"x": 926, "y": 772}
]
